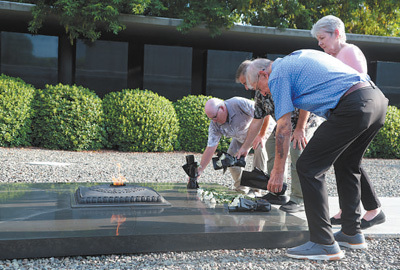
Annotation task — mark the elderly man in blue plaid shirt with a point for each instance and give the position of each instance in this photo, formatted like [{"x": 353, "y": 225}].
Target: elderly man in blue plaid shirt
[{"x": 354, "y": 109}]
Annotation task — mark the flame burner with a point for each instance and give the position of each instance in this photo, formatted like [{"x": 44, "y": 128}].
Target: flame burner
[
  {"x": 117, "y": 185},
  {"x": 121, "y": 195}
]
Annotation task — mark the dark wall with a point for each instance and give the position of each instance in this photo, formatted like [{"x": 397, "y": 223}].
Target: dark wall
[
  {"x": 167, "y": 70},
  {"x": 104, "y": 66},
  {"x": 387, "y": 77},
  {"x": 221, "y": 70},
  {"x": 32, "y": 58}
]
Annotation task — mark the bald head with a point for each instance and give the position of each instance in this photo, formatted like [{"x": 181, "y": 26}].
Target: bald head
[
  {"x": 216, "y": 110},
  {"x": 212, "y": 106}
]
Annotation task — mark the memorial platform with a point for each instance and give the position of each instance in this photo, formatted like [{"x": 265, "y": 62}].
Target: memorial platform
[{"x": 42, "y": 220}]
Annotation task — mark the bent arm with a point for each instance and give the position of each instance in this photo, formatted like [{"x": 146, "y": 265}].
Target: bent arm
[
  {"x": 254, "y": 129},
  {"x": 283, "y": 133},
  {"x": 206, "y": 158},
  {"x": 260, "y": 138}
]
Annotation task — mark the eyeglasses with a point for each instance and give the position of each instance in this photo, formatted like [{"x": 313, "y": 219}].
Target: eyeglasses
[{"x": 216, "y": 115}]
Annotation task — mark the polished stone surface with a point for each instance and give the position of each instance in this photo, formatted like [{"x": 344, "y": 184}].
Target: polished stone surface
[{"x": 38, "y": 220}]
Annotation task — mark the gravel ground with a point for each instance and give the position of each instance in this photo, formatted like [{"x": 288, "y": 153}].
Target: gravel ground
[{"x": 39, "y": 165}]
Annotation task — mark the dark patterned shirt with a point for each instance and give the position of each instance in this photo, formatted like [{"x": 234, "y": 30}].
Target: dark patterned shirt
[{"x": 264, "y": 106}]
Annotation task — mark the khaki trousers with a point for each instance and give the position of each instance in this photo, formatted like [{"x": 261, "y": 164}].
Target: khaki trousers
[
  {"x": 259, "y": 161},
  {"x": 296, "y": 195}
]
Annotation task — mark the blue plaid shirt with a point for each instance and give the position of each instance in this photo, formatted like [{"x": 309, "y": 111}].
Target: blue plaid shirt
[{"x": 310, "y": 80}]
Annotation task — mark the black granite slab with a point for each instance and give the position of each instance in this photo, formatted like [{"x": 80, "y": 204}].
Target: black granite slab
[{"x": 38, "y": 220}]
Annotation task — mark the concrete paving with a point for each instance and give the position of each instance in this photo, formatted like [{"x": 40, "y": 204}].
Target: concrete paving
[{"x": 391, "y": 208}]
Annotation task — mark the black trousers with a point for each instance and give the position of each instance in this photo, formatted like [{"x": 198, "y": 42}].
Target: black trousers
[
  {"x": 340, "y": 141},
  {"x": 369, "y": 198}
]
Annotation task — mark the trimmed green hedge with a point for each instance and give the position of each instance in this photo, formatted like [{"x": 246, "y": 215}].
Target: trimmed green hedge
[
  {"x": 193, "y": 123},
  {"x": 68, "y": 118},
  {"x": 386, "y": 144},
  {"x": 140, "y": 120},
  {"x": 75, "y": 118},
  {"x": 15, "y": 111}
]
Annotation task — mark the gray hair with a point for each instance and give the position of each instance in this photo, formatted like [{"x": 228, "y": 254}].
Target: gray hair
[
  {"x": 241, "y": 70},
  {"x": 329, "y": 24},
  {"x": 254, "y": 68}
]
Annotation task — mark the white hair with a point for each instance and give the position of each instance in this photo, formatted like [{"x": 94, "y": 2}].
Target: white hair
[
  {"x": 329, "y": 24},
  {"x": 254, "y": 68}
]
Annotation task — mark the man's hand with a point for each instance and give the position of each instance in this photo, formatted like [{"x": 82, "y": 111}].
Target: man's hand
[
  {"x": 200, "y": 171},
  {"x": 299, "y": 135},
  {"x": 258, "y": 141},
  {"x": 275, "y": 181},
  {"x": 242, "y": 152},
  {"x": 299, "y": 139}
]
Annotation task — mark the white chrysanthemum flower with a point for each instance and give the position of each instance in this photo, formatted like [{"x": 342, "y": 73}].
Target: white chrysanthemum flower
[
  {"x": 235, "y": 201},
  {"x": 211, "y": 203},
  {"x": 208, "y": 195},
  {"x": 200, "y": 192}
]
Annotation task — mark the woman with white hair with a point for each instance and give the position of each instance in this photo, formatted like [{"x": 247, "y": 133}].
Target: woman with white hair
[
  {"x": 329, "y": 31},
  {"x": 331, "y": 36}
]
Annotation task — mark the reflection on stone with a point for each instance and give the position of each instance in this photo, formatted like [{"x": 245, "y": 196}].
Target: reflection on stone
[{"x": 119, "y": 219}]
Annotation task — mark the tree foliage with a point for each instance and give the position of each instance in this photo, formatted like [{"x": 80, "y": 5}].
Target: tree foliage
[
  {"x": 85, "y": 18},
  {"x": 88, "y": 18},
  {"x": 370, "y": 17}
]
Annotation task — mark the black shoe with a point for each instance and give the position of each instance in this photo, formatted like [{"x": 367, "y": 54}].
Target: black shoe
[
  {"x": 336, "y": 221},
  {"x": 292, "y": 207},
  {"x": 276, "y": 199},
  {"x": 379, "y": 219}
]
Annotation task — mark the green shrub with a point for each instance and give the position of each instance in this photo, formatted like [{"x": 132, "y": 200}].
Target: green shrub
[
  {"x": 194, "y": 123},
  {"x": 386, "y": 144},
  {"x": 68, "y": 118},
  {"x": 15, "y": 111},
  {"x": 224, "y": 143},
  {"x": 140, "y": 120}
]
